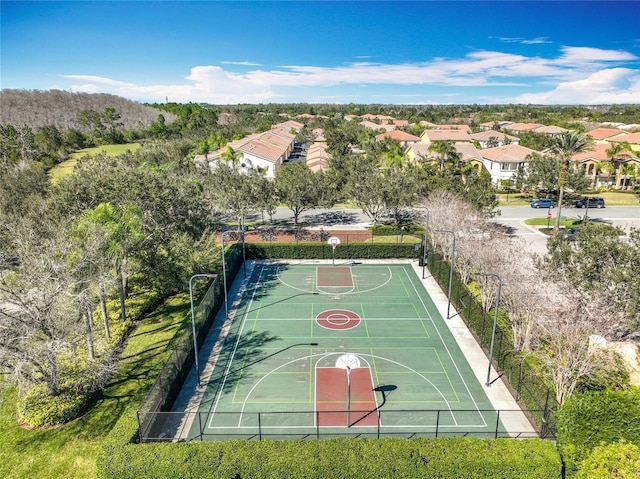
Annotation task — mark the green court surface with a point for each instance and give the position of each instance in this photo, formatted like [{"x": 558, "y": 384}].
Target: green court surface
[{"x": 316, "y": 350}]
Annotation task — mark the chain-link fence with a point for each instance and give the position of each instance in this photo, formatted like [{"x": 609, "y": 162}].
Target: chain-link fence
[
  {"x": 298, "y": 243},
  {"x": 404, "y": 423}
]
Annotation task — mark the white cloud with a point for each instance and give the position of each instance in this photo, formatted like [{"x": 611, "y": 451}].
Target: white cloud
[
  {"x": 248, "y": 64},
  {"x": 614, "y": 85},
  {"x": 524, "y": 41},
  {"x": 581, "y": 75}
]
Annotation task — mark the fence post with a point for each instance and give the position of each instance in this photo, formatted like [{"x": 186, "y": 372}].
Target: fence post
[
  {"x": 259, "y": 427},
  {"x": 437, "y": 421},
  {"x": 497, "y": 423},
  {"x": 140, "y": 426},
  {"x": 484, "y": 317},
  {"x": 200, "y": 425},
  {"x": 318, "y": 425}
]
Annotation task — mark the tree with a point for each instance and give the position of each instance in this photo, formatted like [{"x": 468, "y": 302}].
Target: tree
[
  {"x": 111, "y": 120},
  {"x": 36, "y": 304},
  {"x": 562, "y": 345},
  {"x": 233, "y": 157},
  {"x": 599, "y": 264},
  {"x": 400, "y": 189},
  {"x": 446, "y": 154},
  {"x": 564, "y": 147},
  {"x": 91, "y": 121},
  {"x": 229, "y": 190},
  {"x": 298, "y": 188},
  {"x": 366, "y": 187},
  {"x": 123, "y": 232}
]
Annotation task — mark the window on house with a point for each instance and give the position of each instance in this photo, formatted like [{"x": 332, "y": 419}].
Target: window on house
[{"x": 508, "y": 166}]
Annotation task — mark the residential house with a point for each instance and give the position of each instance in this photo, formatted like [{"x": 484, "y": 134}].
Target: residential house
[
  {"x": 420, "y": 152},
  {"x": 632, "y": 138},
  {"x": 429, "y": 136},
  {"x": 318, "y": 157},
  {"x": 400, "y": 136},
  {"x": 262, "y": 150},
  {"x": 376, "y": 126},
  {"x": 606, "y": 171},
  {"x": 401, "y": 123},
  {"x": 550, "y": 130},
  {"x": 466, "y": 128},
  {"x": 503, "y": 162},
  {"x": 522, "y": 127},
  {"x": 600, "y": 135},
  {"x": 492, "y": 138}
]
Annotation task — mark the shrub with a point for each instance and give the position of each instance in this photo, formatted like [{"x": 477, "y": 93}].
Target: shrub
[
  {"x": 612, "y": 461},
  {"x": 338, "y": 458},
  {"x": 36, "y": 408},
  {"x": 586, "y": 421}
]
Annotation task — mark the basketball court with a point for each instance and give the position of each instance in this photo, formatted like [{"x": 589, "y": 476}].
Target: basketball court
[{"x": 321, "y": 349}]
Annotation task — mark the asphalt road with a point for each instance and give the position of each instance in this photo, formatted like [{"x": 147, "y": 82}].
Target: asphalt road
[
  {"x": 625, "y": 217},
  {"x": 622, "y": 216}
]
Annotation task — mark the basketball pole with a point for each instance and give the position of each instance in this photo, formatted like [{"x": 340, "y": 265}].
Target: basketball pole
[{"x": 348, "y": 396}]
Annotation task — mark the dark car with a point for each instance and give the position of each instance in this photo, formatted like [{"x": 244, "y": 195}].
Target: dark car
[
  {"x": 591, "y": 202},
  {"x": 543, "y": 203}
]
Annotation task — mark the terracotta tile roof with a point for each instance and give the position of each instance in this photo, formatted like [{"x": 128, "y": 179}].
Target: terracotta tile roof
[
  {"x": 487, "y": 134},
  {"x": 444, "y": 135},
  {"x": 466, "y": 149},
  {"x": 466, "y": 128},
  {"x": 375, "y": 126},
  {"x": 507, "y": 153},
  {"x": 633, "y": 138},
  {"x": 318, "y": 157},
  {"x": 598, "y": 153},
  {"x": 522, "y": 126},
  {"x": 550, "y": 130},
  {"x": 263, "y": 150},
  {"x": 398, "y": 135},
  {"x": 401, "y": 122},
  {"x": 288, "y": 126},
  {"x": 604, "y": 133},
  {"x": 419, "y": 149}
]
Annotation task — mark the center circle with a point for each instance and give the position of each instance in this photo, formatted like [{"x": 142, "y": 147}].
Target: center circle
[{"x": 338, "y": 319}]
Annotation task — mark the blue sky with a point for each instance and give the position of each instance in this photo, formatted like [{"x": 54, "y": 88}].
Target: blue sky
[{"x": 419, "y": 52}]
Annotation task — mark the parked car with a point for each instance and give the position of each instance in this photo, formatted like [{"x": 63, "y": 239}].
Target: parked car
[
  {"x": 591, "y": 202},
  {"x": 543, "y": 203}
]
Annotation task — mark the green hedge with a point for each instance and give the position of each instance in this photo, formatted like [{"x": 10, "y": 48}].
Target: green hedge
[
  {"x": 338, "y": 458},
  {"x": 324, "y": 251},
  {"x": 591, "y": 419}
]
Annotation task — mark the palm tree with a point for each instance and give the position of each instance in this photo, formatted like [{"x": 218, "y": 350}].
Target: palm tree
[
  {"x": 564, "y": 147},
  {"x": 605, "y": 166},
  {"x": 618, "y": 153},
  {"x": 232, "y": 156},
  {"x": 446, "y": 153}
]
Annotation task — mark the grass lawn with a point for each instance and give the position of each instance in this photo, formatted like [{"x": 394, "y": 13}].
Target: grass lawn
[
  {"x": 612, "y": 198},
  {"x": 66, "y": 167},
  {"x": 70, "y": 451}
]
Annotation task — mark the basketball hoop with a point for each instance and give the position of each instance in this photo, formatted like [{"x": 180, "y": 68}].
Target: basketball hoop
[{"x": 333, "y": 241}]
